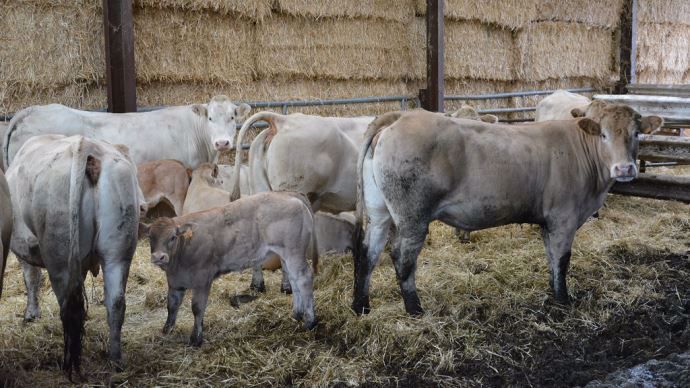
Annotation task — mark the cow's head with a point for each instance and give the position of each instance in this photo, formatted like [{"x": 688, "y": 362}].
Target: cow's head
[
  {"x": 221, "y": 117},
  {"x": 165, "y": 239},
  {"x": 617, "y": 127},
  {"x": 209, "y": 173}
]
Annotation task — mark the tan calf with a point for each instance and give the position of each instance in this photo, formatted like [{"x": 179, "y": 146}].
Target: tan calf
[
  {"x": 164, "y": 181},
  {"x": 204, "y": 190}
]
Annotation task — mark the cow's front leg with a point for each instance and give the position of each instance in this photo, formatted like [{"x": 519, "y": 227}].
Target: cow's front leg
[
  {"x": 115, "y": 273},
  {"x": 257, "y": 283},
  {"x": 558, "y": 242},
  {"x": 175, "y": 297},
  {"x": 367, "y": 256},
  {"x": 199, "y": 301},
  {"x": 33, "y": 278},
  {"x": 404, "y": 255},
  {"x": 285, "y": 286}
]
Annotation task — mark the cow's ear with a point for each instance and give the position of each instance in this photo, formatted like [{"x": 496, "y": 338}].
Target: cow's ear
[
  {"x": 185, "y": 230},
  {"x": 242, "y": 111},
  {"x": 589, "y": 126},
  {"x": 200, "y": 110},
  {"x": 214, "y": 173},
  {"x": 649, "y": 124},
  {"x": 577, "y": 112},
  {"x": 488, "y": 118},
  {"x": 144, "y": 229}
]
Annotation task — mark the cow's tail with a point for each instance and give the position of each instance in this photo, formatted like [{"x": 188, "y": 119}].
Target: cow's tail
[
  {"x": 14, "y": 123},
  {"x": 270, "y": 118},
  {"x": 373, "y": 129},
  {"x": 72, "y": 310}
]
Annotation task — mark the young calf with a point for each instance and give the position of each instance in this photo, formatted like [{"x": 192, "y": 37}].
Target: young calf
[{"x": 196, "y": 248}]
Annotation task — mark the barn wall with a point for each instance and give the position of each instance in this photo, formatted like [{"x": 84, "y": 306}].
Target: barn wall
[{"x": 188, "y": 50}]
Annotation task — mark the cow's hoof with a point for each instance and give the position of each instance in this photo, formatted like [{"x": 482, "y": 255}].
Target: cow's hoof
[
  {"x": 297, "y": 316},
  {"x": 31, "y": 316},
  {"x": 167, "y": 329},
  {"x": 286, "y": 289},
  {"x": 311, "y": 325},
  {"x": 117, "y": 365},
  {"x": 564, "y": 300},
  {"x": 261, "y": 287},
  {"x": 196, "y": 341},
  {"x": 361, "y": 308}
]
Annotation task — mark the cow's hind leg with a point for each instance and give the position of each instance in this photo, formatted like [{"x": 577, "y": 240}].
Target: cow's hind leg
[
  {"x": 257, "y": 283},
  {"x": 300, "y": 276},
  {"x": 199, "y": 302},
  {"x": 558, "y": 242},
  {"x": 115, "y": 273},
  {"x": 175, "y": 297},
  {"x": 366, "y": 257},
  {"x": 33, "y": 279},
  {"x": 409, "y": 243}
]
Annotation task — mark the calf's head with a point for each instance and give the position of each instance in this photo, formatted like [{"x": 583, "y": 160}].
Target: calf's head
[
  {"x": 166, "y": 239},
  {"x": 208, "y": 172},
  {"x": 617, "y": 127},
  {"x": 221, "y": 117}
]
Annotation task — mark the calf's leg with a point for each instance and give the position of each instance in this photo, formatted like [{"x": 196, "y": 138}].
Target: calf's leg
[
  {"x": 300, "y": 276},
  {"x": 33, "y": 279},
  {"x": 199, "y": 302},
  {"x": 175, "y": 297},
  {"x": 257, "y": 283},
  {"x": 558, "y": 241}
]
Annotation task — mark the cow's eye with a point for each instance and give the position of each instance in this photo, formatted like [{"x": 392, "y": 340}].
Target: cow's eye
[
  {"x": 232, "y": 117},
  {"x": 210, "y": 119},
  {"x": 603, "y": 135}
]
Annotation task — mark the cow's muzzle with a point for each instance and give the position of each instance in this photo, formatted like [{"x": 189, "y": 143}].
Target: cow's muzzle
[
  {"x": 222, "y": 145},
  {"x": 624, "y": 172},
  {"x": 160, "y": 259}
]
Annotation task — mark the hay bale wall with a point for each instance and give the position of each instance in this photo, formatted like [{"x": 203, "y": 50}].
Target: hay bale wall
[
  {"x": 663, "y": 42},
  {"x": 188, "y": 50}
]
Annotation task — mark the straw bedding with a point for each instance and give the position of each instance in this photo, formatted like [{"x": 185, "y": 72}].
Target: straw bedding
[{"x": 489, "y": 320}]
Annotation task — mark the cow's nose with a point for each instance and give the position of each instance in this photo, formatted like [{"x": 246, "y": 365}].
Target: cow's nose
[
  {"x": 222, "y": 144},
  {"x": 627, "y": 169},
  {"x": 159, "y": 257}
]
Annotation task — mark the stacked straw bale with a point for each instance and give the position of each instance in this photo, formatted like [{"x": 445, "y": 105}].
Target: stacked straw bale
[
  {"x": 663, "y": 42},
  {"x": 253, "y": 9}
]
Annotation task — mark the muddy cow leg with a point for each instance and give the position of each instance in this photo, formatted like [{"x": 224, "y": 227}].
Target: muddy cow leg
[
  {"x": 300, "y": 276},
  {"x": 33, "y": 278},
  {"x": 199, "y": 302},
  {"x": 285, "y": 286},
  {"x": 257, "y": 283},
  {"x": 558, "y": 241},
  {"x": 411, "y": 240},
  {"x": 115, "y": 274},
  {"x": 175, "y": 297},
  {"x": 367, "y": 257}
]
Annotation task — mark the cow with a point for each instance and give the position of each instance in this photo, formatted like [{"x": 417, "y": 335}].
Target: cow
[
  {"x": 469, "y": 112},
  {"x": 334, "y": 232},
  {"x": 76, "y": 208},
  {"x": 192, "y": 134},
  {"x": 6, "y": 222},
  {"x": 418, "y": 167},
  {"x": 312, "y": 155},
  {"x": 205, "y": 190},
  {"x": 196, "y": 248},
  {"x": 561, "y": 105},
  {"x": 227, "y": 178},
  {"x": 164, "y": 181}
]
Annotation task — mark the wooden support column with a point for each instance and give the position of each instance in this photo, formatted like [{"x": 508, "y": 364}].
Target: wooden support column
[
  {"x": 628, "y": 46},
  {"x": 118, "y": 23},
  {"x": 432, "y": 97}
]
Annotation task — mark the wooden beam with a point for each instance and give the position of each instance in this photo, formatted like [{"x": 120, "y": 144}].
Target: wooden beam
[
  {"x": 628, "y": 46},
  {"x": 666, "y": 187},
  {"x": 664, "y": 149},
  {"x": 118, "y": 24},
  {"x": 432, "y": 97}
]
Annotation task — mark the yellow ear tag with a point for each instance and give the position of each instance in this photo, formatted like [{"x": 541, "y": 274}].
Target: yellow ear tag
[{"x": 188, "y": 234}]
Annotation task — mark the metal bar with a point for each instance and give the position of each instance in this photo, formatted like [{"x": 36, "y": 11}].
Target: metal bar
[
  {"x": 660, "y": 90},
  {"x": 515, "y": 94},
  {"x": 656, "y": 148},
  {"x": 656, "y": 186},
  {"x": 628, "y": 47},
  {"x": 506, "y": 110},
  {"x": 676, "y": 109},
  {"x": 118, "y": 28},
  {"x": 432, "y": 96}
]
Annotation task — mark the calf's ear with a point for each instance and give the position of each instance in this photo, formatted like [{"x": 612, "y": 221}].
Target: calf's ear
[
  {"x": 242, "y": 111},
  {"x": 214, "y": 173},
  {"x": 200, "y": 110},
  {"x": 144, "y": 229},
  {"x": 186, "y": 230},
  {"x": 577, "y": 112},
  {"x": 589, "y": 126},
  {"x": 649, "y": 124}
]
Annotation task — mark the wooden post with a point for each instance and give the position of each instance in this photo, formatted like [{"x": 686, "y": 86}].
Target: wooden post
[
  {"x": 628, "y": 46},
  {"x": 118, "y": 27},
  {"x": 432, "y": 97}
]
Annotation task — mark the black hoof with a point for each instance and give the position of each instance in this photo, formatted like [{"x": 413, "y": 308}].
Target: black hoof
[
  {"x": 311, "y": 325},
  {"x": 258, "y": 288},
  {"x": 167, "y": 329},
  {"x": 237, "y": 300},
  {"x": 196, "y": 341},
  {"x": 286, "y": 290},
  {"x": 360, "y": 308}
]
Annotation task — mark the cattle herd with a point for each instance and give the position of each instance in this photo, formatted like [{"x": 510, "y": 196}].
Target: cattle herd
[{"x": 77, "y": 185}]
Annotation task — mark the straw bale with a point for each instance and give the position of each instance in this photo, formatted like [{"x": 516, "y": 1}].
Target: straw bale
[
  {"x": 50, "y": 44},
  {"x": 192, "y": 46},
  {"x": 305, "y": 47},
  {"x": 664, "y": 11},
  {"x": 511, "y": 14},
  {"x": 254, "y": 9},
  {"x": 76, "y": 95},
  {"x": 381, "y": 9},
  {"x": 560, "y": 49},
  {"x": 663, "y": 52},
  {"x": 601, "y": 13}
]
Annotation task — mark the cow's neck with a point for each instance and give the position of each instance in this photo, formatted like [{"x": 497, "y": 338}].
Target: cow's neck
[
  {"x": 200, "y": 143},
  {"x": 594, "y": 168}
]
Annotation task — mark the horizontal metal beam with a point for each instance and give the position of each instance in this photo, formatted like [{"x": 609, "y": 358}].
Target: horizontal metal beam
[
  {"x": 671, "y": 108},
  {"x": 656, "y": 148},
  {"x": 515, "y": 94},
  {"x": 659, "y": 90},
  {"x": 665, "y": 187}
]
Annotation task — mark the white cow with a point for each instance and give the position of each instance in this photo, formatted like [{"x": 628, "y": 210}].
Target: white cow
[
  {"x": 561, "y": 105},
  {"x": 225, "y": 172},
  {"x": 76, "y": 208},
  {"x": 192, "y": 134}
]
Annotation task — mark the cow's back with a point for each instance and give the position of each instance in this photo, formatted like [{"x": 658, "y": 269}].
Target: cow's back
[{"x": 558, "y": 105}]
